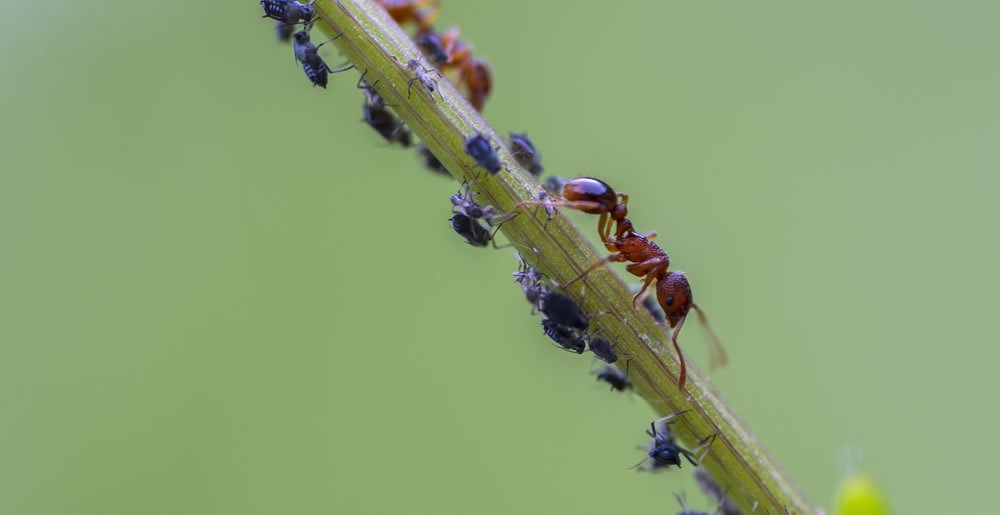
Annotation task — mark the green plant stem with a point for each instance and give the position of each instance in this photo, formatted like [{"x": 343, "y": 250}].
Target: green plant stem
[{"x": 374, "y": 42}]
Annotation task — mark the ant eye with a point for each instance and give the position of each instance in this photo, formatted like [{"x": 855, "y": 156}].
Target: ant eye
[{"x": 670, "y": 300}]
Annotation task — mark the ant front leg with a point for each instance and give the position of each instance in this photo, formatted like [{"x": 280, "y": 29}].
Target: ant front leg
[
  {"x": 650, "y": 269},
  {"x": 614, "y": 258},
  {"x": 682, "y": 377}
]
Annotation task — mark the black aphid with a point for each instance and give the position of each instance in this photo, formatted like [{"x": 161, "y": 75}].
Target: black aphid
[
  {"x": 555, "y": 183},
  {"x": 664, "y": 452},
  {"x": 603, "y": 350},
  {"x": 614, "y": 376},
  {"x": 288, "y": 12},
  {"x": 431, "y": 161},
  {"x": 654, "y": 309},
  {"x": 474, "y": 232},
  {"x": 564, "y": 311},
  {"x": 314, "y": 65},
  {"x": 464, "y": 202},
  {"x": 524, "y": 152},
  {"x": 564, "y": 336},
  {"x": 385, "y": 123},
  {"x": 431, "y": 46},
  {"x": 478, "y": 147}
]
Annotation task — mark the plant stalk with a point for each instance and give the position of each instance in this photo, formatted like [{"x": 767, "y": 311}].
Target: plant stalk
[{"x": 372, "y": 41}]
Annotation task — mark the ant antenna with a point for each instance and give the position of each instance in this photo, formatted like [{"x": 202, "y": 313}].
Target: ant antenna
[{"x": 717, "y": 353}]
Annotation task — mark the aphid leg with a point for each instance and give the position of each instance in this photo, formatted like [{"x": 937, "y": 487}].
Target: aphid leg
[
  {"x": 329, "y": 40},
  {"x": 717, "y": 356},
  {"x": 704, "y": 446},
  {"x": 493, "y": 236},
  {"x": 667, "y": 420},
  {"x": 338, "y": 70}
]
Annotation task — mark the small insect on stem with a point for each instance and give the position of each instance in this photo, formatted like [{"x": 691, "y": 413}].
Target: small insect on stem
[
  {"x": 614, "y": 376},
  {"x": 664, "y": 452},
  {"x": 524, "y": 152},
  {"x": 431, "y": 161},
  {"x": 288, "y": 12},
  {"x": 314, "y": 65},
  {"x": 421, "y": 74},
  {"x": 530, "y": 280},
  {"x": 478, "y": 147}
]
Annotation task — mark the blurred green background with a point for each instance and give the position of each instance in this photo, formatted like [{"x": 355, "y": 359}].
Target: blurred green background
[{"x": 223, "y": 294}]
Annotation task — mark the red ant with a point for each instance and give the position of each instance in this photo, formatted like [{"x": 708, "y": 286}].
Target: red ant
[
  {"x": 648, "y": 260},
  {"x": 422, "y": 12}
]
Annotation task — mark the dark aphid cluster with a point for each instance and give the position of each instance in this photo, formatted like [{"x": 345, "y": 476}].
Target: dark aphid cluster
[
  {"x": 525, "y": 154},
  {"x": 648, "y": 260},
  {"x": 566, "y": 324},
  {"x": 614, "y": 376},
  {"x": 664, "y": 452},
  {"x": 485, "y": 154}
]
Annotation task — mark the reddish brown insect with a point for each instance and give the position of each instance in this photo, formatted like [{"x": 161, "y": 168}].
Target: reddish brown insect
[
  {"x": 421, "y": 12},
  {"x": 647, "y": 259}
]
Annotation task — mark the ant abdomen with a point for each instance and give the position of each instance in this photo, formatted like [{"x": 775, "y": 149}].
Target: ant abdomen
[{"x": 588, "y": 189}]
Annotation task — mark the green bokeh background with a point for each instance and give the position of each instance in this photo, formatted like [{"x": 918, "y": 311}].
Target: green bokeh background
[{"x": 221, "y": 293}]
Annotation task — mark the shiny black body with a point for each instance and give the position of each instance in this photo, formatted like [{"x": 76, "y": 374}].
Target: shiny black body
[
  {"x": 288, "y": 11},
  {"x": 603, "y": 350},
  {"x": 615, "y": 377},
  {"x": 564, "y": 337},
  {"x": 478, "y": 147},
  {"x": 378, "y": 117},
  {"x": 431, "y": 161},
  {"x": 432, "y": 48},
  {"x": 564, "y": 311},
  {"x": 474, "y": 232}
]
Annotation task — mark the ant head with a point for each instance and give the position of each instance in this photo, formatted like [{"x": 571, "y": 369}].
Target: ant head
[
  {"x": 674, "y": 294},
  {"x": 301, "y": 37}
]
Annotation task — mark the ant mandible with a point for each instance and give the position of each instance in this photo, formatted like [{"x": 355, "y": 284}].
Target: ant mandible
[{"x": 647, "y": 259}]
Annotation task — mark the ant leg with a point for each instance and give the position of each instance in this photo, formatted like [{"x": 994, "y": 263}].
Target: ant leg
[
  {"x": 338, "y": 70},
  {"x": 642, "y": 293},
  {"x": 610, "y": 259},
  {"x": 682, "y": 378},
  {"x": 603, "y": 227},
  {"x": 581, "y": 205},
  {"x": 718, "y": 357},
  {"x": 651, "y": 269}
]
